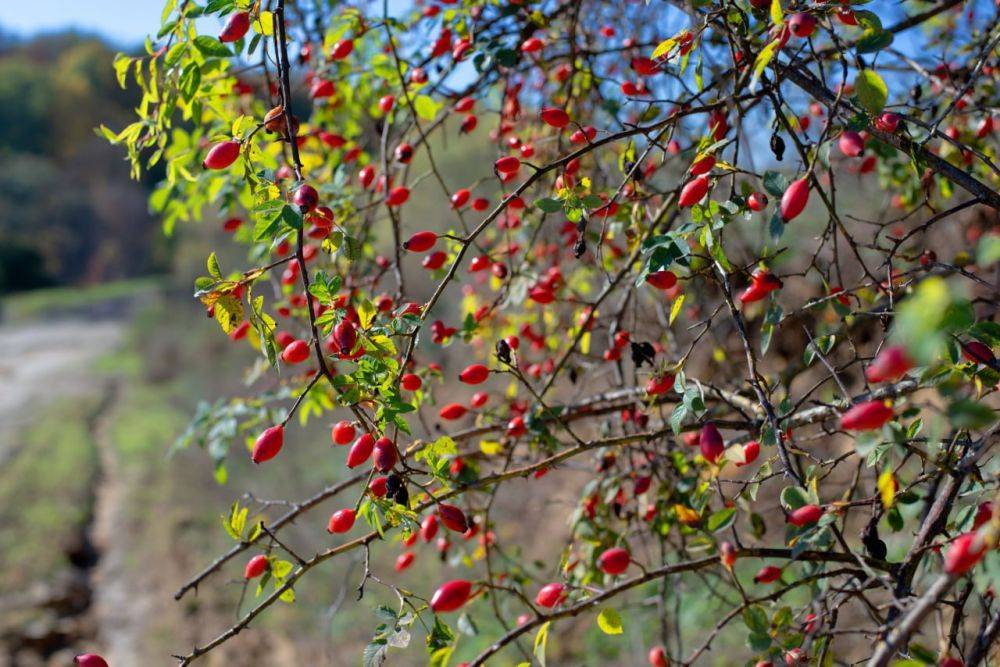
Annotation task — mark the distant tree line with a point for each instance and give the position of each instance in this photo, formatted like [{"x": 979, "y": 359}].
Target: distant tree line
[{"x": 68, "y": 212}]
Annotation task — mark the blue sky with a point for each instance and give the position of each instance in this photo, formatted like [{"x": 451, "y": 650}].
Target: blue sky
[{"x": 126, "y": 22}]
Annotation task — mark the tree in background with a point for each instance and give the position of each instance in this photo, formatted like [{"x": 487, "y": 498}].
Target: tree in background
[
  {"x": 67, "y": 213},
  {"x": 737, "y": 259}
]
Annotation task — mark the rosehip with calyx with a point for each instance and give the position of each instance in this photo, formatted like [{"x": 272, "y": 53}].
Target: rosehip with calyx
[
  {"x": 452, "y": 517},
  {"x": 404, "y": 560},
  {"x": 451, "y": 595},
  {"x": 435, "y": 260},
  {"x": 867, "y": 416},
  {"x": 806, "y": 515},
  {"x": 662, "y": 279},
  {"x": 453, "y": 411},
  {"x": 794, "y": 201},
  {"x": 891, "y": 364},
  {"x": 658, "y": 657},
  {"x": 614, "y": 560},
  {"x": 379, "y": 486},
  {"x": 398, "y": 196},
  {"x": 305, "y": 197},
  {"x": 474, "y": 374},
  {"x": 385, "y": 456},
  {"x": 756, "y": 201},
  {"x": 762, "y": 283},
  {"x": 341, "y": 521},
  {"x": 710, "y": 442},
  {"x": 767, "y": 574},
  {"x": 507, "y": 165},
  {"x": 851, "y": 143},
  {"x": 802, "y": 24},
  {"x": 420, "y": 242},
  {"x": 235, "y": 28},
  {"x": 268, "y": 444},
  {"x": 221, "y": 155},
  {"x": 295, "y": 352},
  {"x": 532, "y": 45},
  {"x": 429, "y": 527},
  {"x": 887, "y": 122},
  {"x": 984, "y": 512},
  {"x": 751, "y": 451},
  {"x": 978, "y": 353},
  {"x": 727, "y": 555},
  {"x": 255, "y": 567},
  {"x": 550, "y": 595},
  {"x": 556, "y": 118},
  {"x": 703, "y": 165},
  {"x": 693, "y": 192},
  {"x": 345, "y": 336},
  {"x": 90, "y": 660},
  {"x": 459, "y": 199},
  {"x": 361, "y": 450},
  {"x": 342, "y": 49},
  {"x": 660, "y": 384},
  {"x": 411, "y": 382},
  {"x": 404, "y": 153},
  {"x": 366, "y": 176},
  {"x": 963, "y": 554},
  {"x": 468, "y": 124}
]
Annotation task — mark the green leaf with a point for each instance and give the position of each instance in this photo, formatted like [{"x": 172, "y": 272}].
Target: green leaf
[
  {"x": 775, "y": 183},
  {"x": 988, "y": 251},
  {"x": 213, "y": 267},
  {"x": 794, "y": 497},
  {"x": 755, "y": 618},
  {"x": 920, "y": 320},
  {"x": 210, "y": 47},
  {"x": 871, "y": 91},
  {"x": 549, "y": 205},
  {"x": 970, "y": 414},
  {"x": 426, "y": 107},
  {"x": 874, "y": 41},
  {"x": 721, "y": 519},
  {"x": 609, "y": 621}
]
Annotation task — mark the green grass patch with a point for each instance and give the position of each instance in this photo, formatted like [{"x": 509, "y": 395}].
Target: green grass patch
[
  {"x": 46, "y": 302},
  {"x": 45, "y": 494}
]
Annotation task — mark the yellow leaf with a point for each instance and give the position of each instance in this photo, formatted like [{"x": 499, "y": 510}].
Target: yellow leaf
[
  {"x": 489, "y": 447},
  {"x": 366, "y": 313},
  {"x": 763, "y": 58},
  {"x": 887, "y": 488},
  {"x": 676, "y": 308},
  {"x": 541, "y": 639},
  {"x": 663, "y": 48},
  {"x": 609, "y": 621},
  {"x": 686, "y": 514},
  {"x": 777, "y": 16},
  {"x": 264, "y": 24}
]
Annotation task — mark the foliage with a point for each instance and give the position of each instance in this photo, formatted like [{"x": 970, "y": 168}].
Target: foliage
[{"x": 597, "y": 268}]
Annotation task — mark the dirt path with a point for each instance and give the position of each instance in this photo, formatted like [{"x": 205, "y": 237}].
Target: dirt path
[{"x": 43, "y": 361}]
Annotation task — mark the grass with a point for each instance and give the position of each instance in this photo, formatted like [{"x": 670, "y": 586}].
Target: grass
[
  {"x": 46, "y": 302},
  {"x": 45, "y": 494}
]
